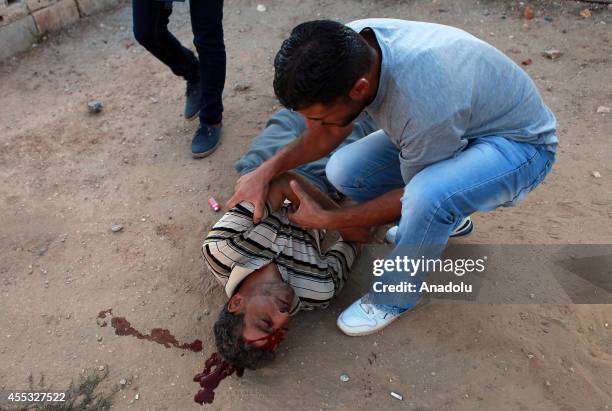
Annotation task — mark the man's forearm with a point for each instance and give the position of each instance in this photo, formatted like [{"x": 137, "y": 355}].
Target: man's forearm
[{"x": 381, "y": 210}]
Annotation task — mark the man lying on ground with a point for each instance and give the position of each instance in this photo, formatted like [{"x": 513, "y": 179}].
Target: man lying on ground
[{"x": 272, "y": 269}]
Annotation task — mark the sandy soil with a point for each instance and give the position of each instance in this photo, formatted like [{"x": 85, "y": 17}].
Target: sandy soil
[{"x": 67, "y": 176}]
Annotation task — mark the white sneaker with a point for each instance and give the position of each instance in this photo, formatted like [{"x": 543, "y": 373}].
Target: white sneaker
[
  {"x": 466, "y": 227},
  {"x": 362, "y": 318}
]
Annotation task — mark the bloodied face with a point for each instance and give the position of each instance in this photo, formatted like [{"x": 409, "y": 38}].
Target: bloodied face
[{"x": 265, "y": 309}]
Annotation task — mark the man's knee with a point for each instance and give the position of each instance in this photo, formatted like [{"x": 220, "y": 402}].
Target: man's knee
[
  {"x": 145, "y": 35},
  {"x": 425, "y": 200},
  {"x": 338, "y": 172}
]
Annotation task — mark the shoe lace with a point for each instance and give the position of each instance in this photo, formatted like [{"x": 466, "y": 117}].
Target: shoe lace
[{"x": 369, "y": 309}]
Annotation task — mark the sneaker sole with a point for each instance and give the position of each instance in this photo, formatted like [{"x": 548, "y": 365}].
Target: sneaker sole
[
  {"x": 465, "y": 230},
  {"x": 420, "y": 304},
  {"x": 206, "y": 153}
]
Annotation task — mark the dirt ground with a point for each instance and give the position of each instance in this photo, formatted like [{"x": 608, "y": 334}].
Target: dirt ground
[{"x": 67, "y": 176}]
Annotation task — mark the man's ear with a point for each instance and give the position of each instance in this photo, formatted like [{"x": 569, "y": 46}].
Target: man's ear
[
  {"x": 360, "y": 89},
  {"x": 235, "y": 303}
]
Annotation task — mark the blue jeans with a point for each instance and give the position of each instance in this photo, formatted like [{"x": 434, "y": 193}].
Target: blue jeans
[{"x": 490, "y": 172}]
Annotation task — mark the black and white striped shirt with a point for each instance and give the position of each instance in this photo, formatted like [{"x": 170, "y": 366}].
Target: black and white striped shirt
[{"x": 235, "y": 247}]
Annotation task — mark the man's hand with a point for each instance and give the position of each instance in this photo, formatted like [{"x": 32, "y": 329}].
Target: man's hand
[
  {"x": 309, "y": 213},
  {"x": 252, "y": 187}
]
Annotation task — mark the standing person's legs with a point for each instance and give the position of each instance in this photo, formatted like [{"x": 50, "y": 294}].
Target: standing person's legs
[
  {"x": 491, "y": 172},
  {"x": 367, "y": 168},
  {"x": 150, "y": 19},
  {"x": 207, "y": 26}
]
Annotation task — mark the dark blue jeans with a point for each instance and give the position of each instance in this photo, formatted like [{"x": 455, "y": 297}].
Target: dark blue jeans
[{"x": 151, "y": 31}]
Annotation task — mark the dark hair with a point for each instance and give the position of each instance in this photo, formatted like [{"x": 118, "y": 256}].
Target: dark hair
[
  {"x": 319, "y": 62},
  {"x": 232, "y": 347}
]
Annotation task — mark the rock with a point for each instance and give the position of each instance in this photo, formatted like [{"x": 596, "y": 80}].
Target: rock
[
  {"x": 586, "y": 13},
  {"x": 137, "y": 396},
  {"x": 596, "y": 174},
  {"x": 527, "y": 62},
  {"x": 606, "y": 325},
  {"x": 99, "y": 338},
  {"x": 101, "y": 368},
  {"x": 123, "y": 382},
  {"x": 261, "y": 8},
  {"x": 101, "y": 322},
  {"x": 552, "y": 54},
  {"x": 528, "y": 13},
  {"x": 548, "y": 384},
  {"x": 344, "y": 377},
  {"x": 115, "y": 228},
  {"x": 548, "y": 18},
  {"x": 532, "y": 296},
  {"x": 603, "y": 109},
  {"x": 241, "y": 86},
  {"x": 206, "y": 312},
  {"x": 94, "y": 106}
]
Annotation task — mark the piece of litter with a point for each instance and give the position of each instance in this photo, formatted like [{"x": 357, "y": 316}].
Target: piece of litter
[
  {"x": 137, "y": 396},
  {"x": 528, "y": 13},
  {"x": 586, "y": 13},
  {"x": 603, "y": 109},
  {"x": 596, "y": 174},
  {"x": 261, "y": 8},
  {"x": 552, "y": 54},
  {"x": 344, "y": 377},
  {"x": 213, "y": 204},
  {"x": 606, "y": 325},
  {"x": 115, "y": 228},
  {"x": 396, "y": 395}
]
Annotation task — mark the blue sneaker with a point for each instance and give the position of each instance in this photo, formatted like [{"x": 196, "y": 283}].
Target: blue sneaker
[{"x": 205, "y": 140}]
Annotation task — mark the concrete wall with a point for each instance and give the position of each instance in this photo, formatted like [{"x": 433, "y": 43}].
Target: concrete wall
[{"x": 22, "y": 22}]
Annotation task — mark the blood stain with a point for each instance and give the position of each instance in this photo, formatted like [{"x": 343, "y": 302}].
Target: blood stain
[{"x": 158, "y": 335}]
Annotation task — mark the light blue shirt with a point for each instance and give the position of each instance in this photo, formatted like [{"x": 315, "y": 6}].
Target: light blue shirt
[{"x": 440, "y": 86}]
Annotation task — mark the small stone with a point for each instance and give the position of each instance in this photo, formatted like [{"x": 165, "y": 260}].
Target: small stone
[
  {"x": 530, "y": 356},
  {"x": 548, "y": 18},
  {"x": 143, "y": 219},
  {"x": 344, "y": 377},
  {"x": 115, "y": 228},
  {"x": 606, "y": 325},
  {"x": 261, "y": 8},
  {"x": 94, "y": 106},
  {"x": 206, "y": 312},
  {"x": 99, "y": 338},
  {"x": 527, "y": 62},
  {"x": 122, "y": 382},
  {"x": 552, "y": 54},
  {"x": 528, "y": 13},
  {"x": 101, "y": 368},
  {"x": 603, "y": 109},
  {"x": 596, "y": 174},
  {"x": 68, "y": 316},
  {"x": 532, "y": 296},
  {"x": 586, "y": 13},
  {"x": 397, "y": 396},
  {"x": 241, "y": 86},
  {"x": 101, "y": 322},
  {"x": 137, "y": 397},
  {"x": 548, "y": 384}
]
